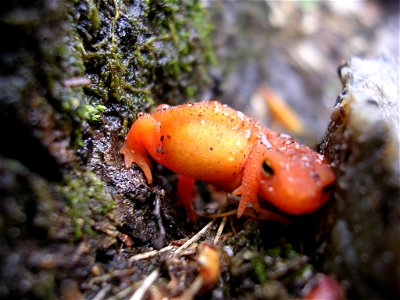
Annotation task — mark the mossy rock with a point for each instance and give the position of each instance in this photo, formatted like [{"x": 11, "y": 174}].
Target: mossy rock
[{"x": 74, "y": 74}]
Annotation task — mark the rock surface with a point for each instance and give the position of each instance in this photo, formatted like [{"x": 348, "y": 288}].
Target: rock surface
[{"x": 363, "y": 144}]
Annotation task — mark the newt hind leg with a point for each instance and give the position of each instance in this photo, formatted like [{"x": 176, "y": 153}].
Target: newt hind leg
[{"x": 186, "y": 193}]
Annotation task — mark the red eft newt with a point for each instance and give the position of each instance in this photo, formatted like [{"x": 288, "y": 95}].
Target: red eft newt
[{"x": 212, "y": 142}]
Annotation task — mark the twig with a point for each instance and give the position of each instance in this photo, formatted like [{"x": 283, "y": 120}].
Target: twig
[
  {"x": 195, "y": 238},
  {"x": 220, "y": 229},
  {"x": 149, "y": 254},
  {"x": 102, "y": 293},
  {"x": 108, "y": 276},
  {"x": 141, "y": 291},
  {"x": 193, "y": 289},
  {"x": 218, "y": 215},
  {"x": 122, "y": 294}
]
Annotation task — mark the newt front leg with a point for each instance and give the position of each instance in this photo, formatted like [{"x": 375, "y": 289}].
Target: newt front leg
[
  {"x": 142, "y": 140},
  {"x": 250, "y": 183}
]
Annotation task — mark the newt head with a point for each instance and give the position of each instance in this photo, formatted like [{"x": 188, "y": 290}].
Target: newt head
[{"x": 297, "y": 181}]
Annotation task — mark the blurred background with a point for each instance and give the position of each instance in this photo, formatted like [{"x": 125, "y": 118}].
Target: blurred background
[{"x": 291, "y": 50}]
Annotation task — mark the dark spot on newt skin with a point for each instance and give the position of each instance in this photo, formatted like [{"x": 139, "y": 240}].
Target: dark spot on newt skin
[
  {"x": 168, "y": 136},
  {"x": 162, "y": 138},
  {"x": 211, "y": 148},
  {"x": 314, "y": 175},
  {"x": 160, "y": 150},
  {"x": 372, "y": 102}
]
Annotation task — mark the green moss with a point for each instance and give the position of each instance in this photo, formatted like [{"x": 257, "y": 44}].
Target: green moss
[
  {"x": 135, "y": 54},
  {"x": 289, "y": 252},
  {"x": 305, "y": 271},
  {"x": 144, "y": 51},
  {"x": 87, "y": 198},
  {"x": 45, "y": 286},
  {"x": 92, "y": 112},
  {"x": 274, "y": 252},
  {"x": 94, "y": 16},
  {"x": 260, "y": 268}
]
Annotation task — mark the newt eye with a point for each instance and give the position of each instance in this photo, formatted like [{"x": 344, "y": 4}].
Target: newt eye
[{"x": 266, "y": 169}]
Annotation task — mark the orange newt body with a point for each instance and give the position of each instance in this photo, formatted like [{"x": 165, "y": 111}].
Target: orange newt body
[{"x": 212, "y": 142}]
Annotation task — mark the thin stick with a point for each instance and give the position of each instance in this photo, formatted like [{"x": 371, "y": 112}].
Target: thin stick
[
  {"x": 193, "y": 289},
  {"x": 102, "y": 293},
  {"x": 220, "y": 229},
  {"x": 149, "y": 254},
  {"x": 219, "y": 215},
  {"x": 195, "y": 238},
  {"x": 122, "y": 294},
  {"x": 108, "y": 276},
  {"x": 141, "y": 291}
]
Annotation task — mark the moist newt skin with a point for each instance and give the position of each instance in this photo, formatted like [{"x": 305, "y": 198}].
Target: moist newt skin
[{"x": 212, "y": 142}]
